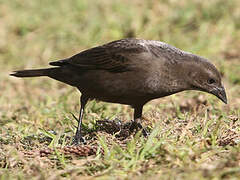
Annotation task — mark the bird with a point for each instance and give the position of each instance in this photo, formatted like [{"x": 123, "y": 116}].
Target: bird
[{"x": 132, "y": 71}]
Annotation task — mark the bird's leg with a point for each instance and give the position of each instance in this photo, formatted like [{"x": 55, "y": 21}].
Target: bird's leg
[
  {"x": 136, "y": 124},
  {"x": 78, "y": 136}
]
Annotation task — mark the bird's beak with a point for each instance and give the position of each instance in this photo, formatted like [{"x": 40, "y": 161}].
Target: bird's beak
[{"x": 220, "y": 93}]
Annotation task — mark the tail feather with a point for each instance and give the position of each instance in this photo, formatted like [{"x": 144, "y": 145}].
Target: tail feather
[{"x": 31, "y": 73}]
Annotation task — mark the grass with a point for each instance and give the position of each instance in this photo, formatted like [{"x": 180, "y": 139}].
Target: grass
[{"x": 193, "y": 134}]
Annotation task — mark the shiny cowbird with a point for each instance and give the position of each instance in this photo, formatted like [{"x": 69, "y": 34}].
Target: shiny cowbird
[{"x": 132, "y": 72}]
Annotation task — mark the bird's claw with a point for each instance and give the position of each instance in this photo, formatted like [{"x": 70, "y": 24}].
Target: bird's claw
[
  {"x": 77, "y": 140},
  {"x": 136, "y": 125},
  {"x": 145, "y": 132}
]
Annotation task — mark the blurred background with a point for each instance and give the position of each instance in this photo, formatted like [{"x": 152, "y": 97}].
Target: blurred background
[{"x": 33, "y": 33}]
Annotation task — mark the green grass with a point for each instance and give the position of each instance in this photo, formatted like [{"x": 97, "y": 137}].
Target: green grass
[{"x": 193, "y": 136}]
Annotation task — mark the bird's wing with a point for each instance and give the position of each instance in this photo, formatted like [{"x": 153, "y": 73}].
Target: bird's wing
[{"x": 116, "y": 56}]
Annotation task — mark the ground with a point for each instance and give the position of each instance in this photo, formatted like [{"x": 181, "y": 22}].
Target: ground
[{"x": 193, "y": 134}]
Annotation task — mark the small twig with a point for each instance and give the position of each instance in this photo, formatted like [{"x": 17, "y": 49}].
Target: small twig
[{"x": 74, "y": 117}]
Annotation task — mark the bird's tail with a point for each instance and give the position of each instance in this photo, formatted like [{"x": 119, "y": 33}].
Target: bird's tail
[{"x": 32, "y": 72}]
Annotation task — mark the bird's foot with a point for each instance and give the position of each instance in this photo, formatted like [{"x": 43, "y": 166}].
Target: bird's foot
[
  {"x": 77, "y": 140},
  {"x": 136, "y": 126},
  {"x": 145, "y": 132}
]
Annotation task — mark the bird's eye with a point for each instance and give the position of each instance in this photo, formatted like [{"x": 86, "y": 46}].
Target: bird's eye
[{"x": 211, "y": 81}]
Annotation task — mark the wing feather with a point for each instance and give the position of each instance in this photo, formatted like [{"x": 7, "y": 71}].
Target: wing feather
[{"x": 116, "y": 56}]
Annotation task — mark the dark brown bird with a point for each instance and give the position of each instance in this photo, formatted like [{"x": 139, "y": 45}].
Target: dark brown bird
[{"x": 132, "y": 72}]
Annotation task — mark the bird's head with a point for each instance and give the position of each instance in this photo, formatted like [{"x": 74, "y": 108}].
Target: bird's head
[{"x": 204, "y": 76}]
